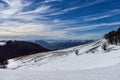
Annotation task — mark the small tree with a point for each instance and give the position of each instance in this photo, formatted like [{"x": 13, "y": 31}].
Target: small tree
[
  {"x": 104, "y": 46},
  {"x": 77, "y": 52},
  {"x": 3, "y": 63}
]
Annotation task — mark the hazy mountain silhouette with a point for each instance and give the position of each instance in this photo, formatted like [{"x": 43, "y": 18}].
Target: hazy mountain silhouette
[
  {"x": 61, "y": 44},
  {"x": 13, "y": 49}
]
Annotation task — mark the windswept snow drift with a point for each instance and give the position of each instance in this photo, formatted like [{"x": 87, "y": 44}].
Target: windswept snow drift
[{"x": 92, "y": 63}]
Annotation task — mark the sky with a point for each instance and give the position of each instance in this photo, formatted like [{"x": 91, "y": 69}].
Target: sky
[{"x": 58, "y": 19}]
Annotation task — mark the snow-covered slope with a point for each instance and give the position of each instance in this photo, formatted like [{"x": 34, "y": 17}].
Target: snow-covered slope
[
  {"x": 86, "y": 61},
  {"x": 90, "y": 56},
  {"x": 92, "y": 63},
  {"x": 108, "y": 73}
]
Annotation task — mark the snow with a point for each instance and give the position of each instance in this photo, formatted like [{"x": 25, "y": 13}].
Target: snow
[
  {"x": 86, "y": 61},
  {"x": 92, "y": 63},
  {"x": 108, "y": 73},
  {"x": 2, "y": 43}
]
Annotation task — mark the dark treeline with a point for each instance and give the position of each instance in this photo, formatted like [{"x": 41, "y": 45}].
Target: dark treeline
[
  {"x": 113, "y": 37},
  {"x": 14, "y": 49}
]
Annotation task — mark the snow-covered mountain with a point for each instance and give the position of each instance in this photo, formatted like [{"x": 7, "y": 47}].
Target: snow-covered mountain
[
  {"x": 67, "y": 59},
  {"x": 92, "y": 63},
  {"x": 60, "y": 44}
]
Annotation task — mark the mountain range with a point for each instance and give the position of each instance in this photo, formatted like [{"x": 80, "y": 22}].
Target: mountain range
[{"x": 60, "y": 44}]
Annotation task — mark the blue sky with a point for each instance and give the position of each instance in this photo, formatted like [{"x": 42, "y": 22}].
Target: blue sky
[{"x": 58, "y": 19}]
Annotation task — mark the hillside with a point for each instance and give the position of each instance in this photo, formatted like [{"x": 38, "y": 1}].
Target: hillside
[
  {"x": 92, "y": 61},
  {"x": 90, "y": 55},
  {"x": 12, "y": 49}
]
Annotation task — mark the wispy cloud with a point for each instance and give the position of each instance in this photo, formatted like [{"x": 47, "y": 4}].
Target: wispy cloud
[
  {"x": 99, "y": 15},
  {"x": 86, "y": 4},
  {"x": 91, "y": 27},
  {"x": 43, "y": 20},
  {"x": 88, "y": 18},
  {"x": 40, "y": 9},
  {"x": 13, "y": 7}
]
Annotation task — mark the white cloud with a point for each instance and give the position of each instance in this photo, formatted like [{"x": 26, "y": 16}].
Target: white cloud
[
  {"x": 40, "y": 9},
  {"x": 91, "y": 27},
  {"x": 13, "y": 6},
  {"x": 91, "y": 36},
  {"x": 23, "y": 30}
]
